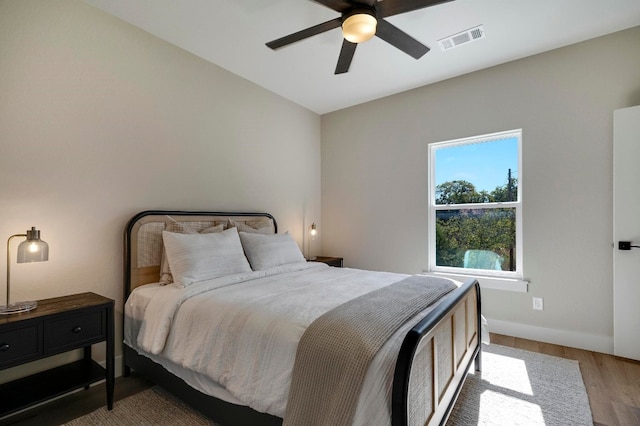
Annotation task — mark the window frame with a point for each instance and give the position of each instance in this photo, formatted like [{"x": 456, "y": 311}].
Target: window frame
[{"x": 518, "y": 274}]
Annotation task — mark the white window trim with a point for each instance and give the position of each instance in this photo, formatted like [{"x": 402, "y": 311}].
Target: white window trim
[
  {"x": 493, "y": 283},
  {"x": 503, "y": 280}
]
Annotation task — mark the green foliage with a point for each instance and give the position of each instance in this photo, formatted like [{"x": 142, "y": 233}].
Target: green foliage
[
  {"x": 463, "y": 192},
  {"x": 459, "y": 192},
  {"x": 459, "y": 230}
]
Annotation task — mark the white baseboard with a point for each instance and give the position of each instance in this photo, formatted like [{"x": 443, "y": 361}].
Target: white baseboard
[
  {"x": 119, "y": 360},
  {"x": 118, "y": 364},
  {"x": 572, "y": 339}
]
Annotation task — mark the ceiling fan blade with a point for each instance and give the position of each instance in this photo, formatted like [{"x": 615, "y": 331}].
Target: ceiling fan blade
[
  {"x": 395, "y": 7},
  {"x": 398, "y": 38},
  {"x": 337, "y": 5},
  {"x": 346, "y": 55},
  {"x": 306, "y": 33}
]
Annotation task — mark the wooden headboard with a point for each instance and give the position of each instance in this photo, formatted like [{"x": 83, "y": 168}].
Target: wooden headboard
[{"x": 143, "y": 238}]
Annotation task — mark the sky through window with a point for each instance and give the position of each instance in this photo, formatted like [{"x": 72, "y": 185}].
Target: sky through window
[{"x": 484, "y": 164}]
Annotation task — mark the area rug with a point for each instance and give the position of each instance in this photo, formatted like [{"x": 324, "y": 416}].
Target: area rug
[
  {"x": 519, "y": 387},
  {"x": 150, "y": 407},
  {"x": 515, "y": 388}
]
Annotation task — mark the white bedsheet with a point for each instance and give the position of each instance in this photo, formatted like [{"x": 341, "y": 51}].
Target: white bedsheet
[{"x": 241, "y": 332}]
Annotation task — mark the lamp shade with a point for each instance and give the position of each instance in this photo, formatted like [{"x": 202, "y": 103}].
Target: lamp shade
[
  {"x": 359, "y": 27},
  {"x": 33, "y": 249}
]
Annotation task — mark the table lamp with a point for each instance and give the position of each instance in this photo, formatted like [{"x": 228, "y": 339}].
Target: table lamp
[
  {"x": 33, "y": 249},
  {"x": 313, "y": 231}
]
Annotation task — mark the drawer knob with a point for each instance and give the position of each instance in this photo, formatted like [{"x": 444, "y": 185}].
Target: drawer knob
[
  {"x": 4, "y": 347},
  {"x": 77, "y": 329}
]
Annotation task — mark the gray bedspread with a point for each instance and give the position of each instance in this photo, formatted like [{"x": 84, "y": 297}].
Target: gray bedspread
[{"x": 335, "y": 351}]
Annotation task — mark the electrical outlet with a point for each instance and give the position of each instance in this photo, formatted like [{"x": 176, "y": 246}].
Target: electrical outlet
[
  {"x": 538, "y": 304},
  {"x": 624, "y": 245}
]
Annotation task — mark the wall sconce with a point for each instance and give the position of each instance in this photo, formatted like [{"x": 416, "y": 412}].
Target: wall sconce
[
  {"x": 313, "y": 231},
  {"x": 33, "y": 249}
]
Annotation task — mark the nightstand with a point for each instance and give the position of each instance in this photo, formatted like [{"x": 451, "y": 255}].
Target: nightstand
[
  {"x": 331, "y": 261},
  {"x": 57, "y": 325}
]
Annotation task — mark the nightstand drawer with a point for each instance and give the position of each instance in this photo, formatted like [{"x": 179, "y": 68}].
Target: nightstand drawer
[
  {"x": 74, "y": 331},
  {"x": 20, "y": 344}
]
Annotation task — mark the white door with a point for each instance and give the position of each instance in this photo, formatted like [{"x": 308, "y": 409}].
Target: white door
[{"x": 626, "y": 227}]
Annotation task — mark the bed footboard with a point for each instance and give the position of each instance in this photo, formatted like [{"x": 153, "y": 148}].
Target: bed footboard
[{"x": 425, "y": 387}]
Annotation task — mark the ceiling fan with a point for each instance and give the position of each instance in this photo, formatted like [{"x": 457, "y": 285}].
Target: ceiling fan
[{"x": 360, "y": 21}]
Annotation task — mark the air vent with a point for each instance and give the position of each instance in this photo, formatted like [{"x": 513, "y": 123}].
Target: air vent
[{"x": 461, "y": 38}]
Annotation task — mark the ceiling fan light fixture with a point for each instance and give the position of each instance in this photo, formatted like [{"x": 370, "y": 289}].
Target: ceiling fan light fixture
[{"x": 359, "y": 26}]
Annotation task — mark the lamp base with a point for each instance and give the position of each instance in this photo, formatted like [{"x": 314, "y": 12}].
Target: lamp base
[{"x": 15, "y": 308}]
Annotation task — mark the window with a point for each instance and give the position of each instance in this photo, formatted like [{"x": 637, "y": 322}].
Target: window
[{"x": 475, "y": 205}]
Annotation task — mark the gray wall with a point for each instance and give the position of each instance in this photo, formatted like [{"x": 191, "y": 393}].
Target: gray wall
[
  {"x": 374, "y": 178},
  {"x": 100, "y": 120}
]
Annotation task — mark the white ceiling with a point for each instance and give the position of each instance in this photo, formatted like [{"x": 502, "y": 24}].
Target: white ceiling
[{"x": 233, "y": 33}]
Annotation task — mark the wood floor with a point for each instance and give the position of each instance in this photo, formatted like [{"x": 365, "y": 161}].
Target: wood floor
[{"x": 613, "y": 386}]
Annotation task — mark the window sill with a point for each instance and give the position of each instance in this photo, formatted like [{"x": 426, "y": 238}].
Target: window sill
[{"x": 493, "y": 283}]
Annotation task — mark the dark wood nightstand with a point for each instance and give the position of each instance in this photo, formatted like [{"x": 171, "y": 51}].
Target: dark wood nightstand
[
  {"x": 331, "y": 261},
  {"x": 57, "y": 325}
]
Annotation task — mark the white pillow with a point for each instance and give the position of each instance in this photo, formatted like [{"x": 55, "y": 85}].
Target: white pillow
[
  {"x": 200, "y": 257},
  {"x": 266, "y": 251},
  {"x": 181, "y": 228}
]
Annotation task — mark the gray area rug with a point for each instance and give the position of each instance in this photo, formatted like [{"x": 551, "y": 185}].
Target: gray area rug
[
  {"x": 150, "y": 407},
  {"x": 519, "y": 387},
  {"x": 515, "y": 388}
]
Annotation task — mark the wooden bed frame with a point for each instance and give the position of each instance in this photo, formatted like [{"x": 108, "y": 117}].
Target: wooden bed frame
[{"x": 432, "y": 364}]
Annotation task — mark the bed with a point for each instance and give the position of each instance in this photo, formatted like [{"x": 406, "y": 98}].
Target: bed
[{"x": 413, "y": 378}]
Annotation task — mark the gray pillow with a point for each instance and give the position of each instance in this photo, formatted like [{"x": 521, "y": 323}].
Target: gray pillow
[{"x": 267, "y": 251}]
